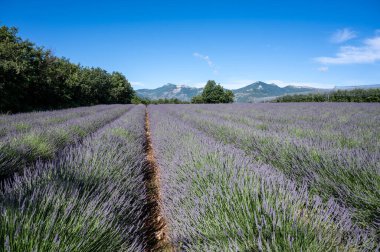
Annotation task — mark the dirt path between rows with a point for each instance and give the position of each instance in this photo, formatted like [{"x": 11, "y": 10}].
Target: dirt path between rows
[{"x": 158, "y": 239}]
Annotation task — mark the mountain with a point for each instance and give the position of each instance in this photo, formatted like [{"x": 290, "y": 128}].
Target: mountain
[
  {"x": 260, "y": 91},
  {"x": 182, "y": 92},
  {"x": 257, "y": 91}
]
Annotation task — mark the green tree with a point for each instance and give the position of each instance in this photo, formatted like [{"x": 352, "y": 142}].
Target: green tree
[
  {"x": 355, "y": 95},
  {"x": 121, "y": 90},
  {"x": 228, "y": 96},
  {"x": 20, "y": 68},
  {"x": 197, "y": 99},
  {"x": 214, "y": 93},
  {"x": 31, "y": 77}
]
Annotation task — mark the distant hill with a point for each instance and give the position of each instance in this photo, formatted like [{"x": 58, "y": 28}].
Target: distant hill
[
  {"x": 257, "y": 91},
  {"x": 261, "y": 90},
  {"x": 182, "y": 92}
]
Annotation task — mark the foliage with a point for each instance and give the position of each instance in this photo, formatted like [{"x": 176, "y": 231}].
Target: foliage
[
  {"x": 31, "y": 78},
  {"x": 214, "y": 93},
  {"x": 356, "y": 95}
]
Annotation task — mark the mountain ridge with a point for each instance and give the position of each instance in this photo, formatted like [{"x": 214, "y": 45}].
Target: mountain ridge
[{"x": 255, "y": 92}]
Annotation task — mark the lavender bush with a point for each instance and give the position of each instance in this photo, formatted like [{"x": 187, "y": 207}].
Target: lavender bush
[
  {"x": 216, "y": 197},
  {"x": 91, "y": 198},
  {"x": 342, "y": 163},
  {"x": 240, "y": 177},
  {"x": 12, "y": 125},
  {"x": 43, "y": 141}
]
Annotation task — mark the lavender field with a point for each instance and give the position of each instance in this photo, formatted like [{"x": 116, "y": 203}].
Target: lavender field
[{"x": 236, "y": 177}]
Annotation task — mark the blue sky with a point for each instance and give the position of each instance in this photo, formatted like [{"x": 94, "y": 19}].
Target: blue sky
[{"x": 314, "y": 43}]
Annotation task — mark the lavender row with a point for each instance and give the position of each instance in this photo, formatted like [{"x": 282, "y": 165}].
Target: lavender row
[
  {"x": 216, "y": 198},
  {"x": 92, "y": 198},
  {"x": 350, "y": 175},
  {"x": 45, "y": 142},
  {"x": 347, "y": 126},
  {"x": 12, "y": 125}
]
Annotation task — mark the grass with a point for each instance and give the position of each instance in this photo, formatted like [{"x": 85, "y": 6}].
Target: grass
[
  {"x": 37, "y": 145},
  {"x": 21, "y": 126}
]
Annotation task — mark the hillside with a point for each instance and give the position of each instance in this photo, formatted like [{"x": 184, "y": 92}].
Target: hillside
[
  {"x": 259, "y": 90},
  {"x": 253, "y": 92},
  {"x": 182, "y": 92}
]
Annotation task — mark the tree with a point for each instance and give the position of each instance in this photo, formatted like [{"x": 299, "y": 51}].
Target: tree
[
  {"x": 19, "y": 63},
  {"x": 214, "y": 93},
  {"x": 197, "y": 99},
  {"x": 31, "y": 77},
  {"x": 355, "y": 95},
  {"x": 121, "y": 90},
  {"x": 228, "y": 96}
]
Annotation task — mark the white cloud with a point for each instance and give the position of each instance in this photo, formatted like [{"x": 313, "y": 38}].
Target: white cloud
[
  {"x": 323, "y": 69},
  {"x": 369, "y": 52},
  {"x": 204, "y": 57},
  {"x": 208, "y": 60},
  {"x": 343, "y": 35}
]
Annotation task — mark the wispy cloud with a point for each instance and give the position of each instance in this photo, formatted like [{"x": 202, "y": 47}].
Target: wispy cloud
[
  {"x": 323, "y": 69},
  {"x": 208, "y": 60},
  {"x": 205, "y": 58},
  {"x": 368, "y": 52},
  {"x": 343, "y": 35}
]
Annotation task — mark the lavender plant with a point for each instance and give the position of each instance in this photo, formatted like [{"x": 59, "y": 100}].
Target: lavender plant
[
  {"x": 12, "y": 125},
  {"x": 43, "y": 142},
  {"x": 91, "y": 198},
  {"x": 218, "y": 198},
  {"x": 346, "y": 169},
  {"x": 263, "y": 177}
]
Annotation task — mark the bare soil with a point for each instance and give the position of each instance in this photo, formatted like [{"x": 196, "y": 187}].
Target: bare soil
[{"x": 158, "y": 239}]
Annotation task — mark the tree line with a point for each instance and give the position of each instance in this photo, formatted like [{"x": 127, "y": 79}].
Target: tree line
[
  {"x": 33, "y": 78},
  {"x": 355, "y": 95},
  {"x": 146, "y": 101}
]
